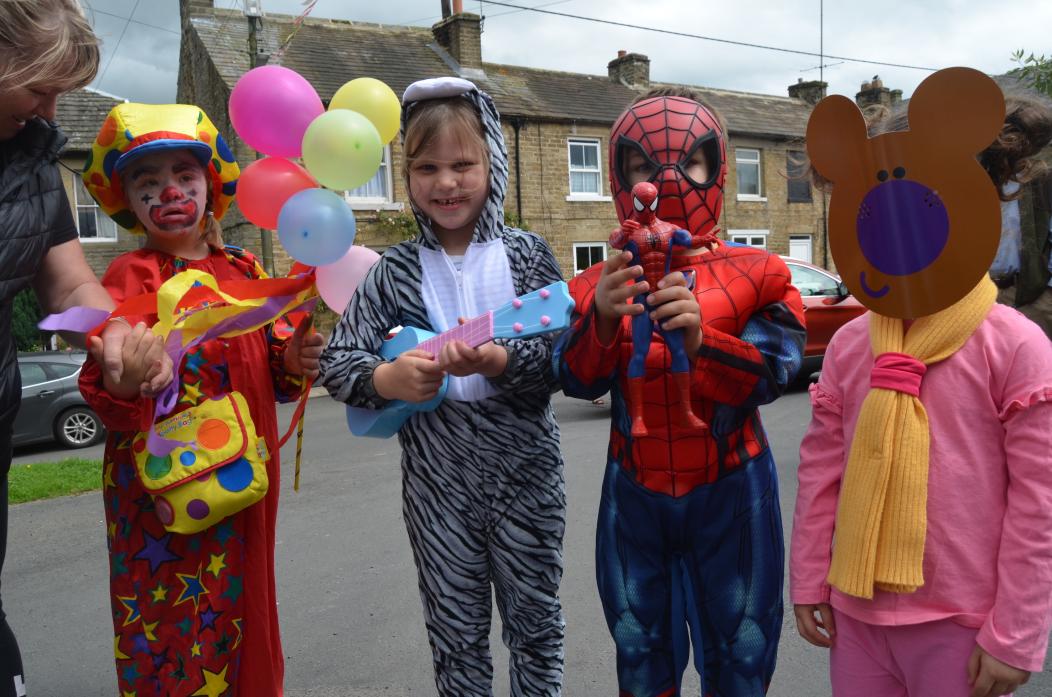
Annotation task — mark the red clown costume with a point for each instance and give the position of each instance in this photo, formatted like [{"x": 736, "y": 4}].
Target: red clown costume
[
  {"x": 193, "y": 614},
  {"x": 689, "y": 531}
]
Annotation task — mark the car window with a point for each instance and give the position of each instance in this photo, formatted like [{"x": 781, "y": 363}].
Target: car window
[
  {"x": 811, "y": 282},
  {"x": 32, "y": 374},
  {"x": 61, "y": 370}
]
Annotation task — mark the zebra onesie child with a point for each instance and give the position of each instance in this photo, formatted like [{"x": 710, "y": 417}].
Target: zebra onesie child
[{"x": 482, "y": 476}]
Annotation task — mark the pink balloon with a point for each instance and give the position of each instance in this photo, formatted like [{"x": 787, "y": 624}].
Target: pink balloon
[
  {"x": 337, "y": 281},
  {"x": 271, "y": 107}
]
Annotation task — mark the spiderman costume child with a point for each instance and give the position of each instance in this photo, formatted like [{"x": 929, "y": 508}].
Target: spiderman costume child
[{"x": 689, "y": 531}]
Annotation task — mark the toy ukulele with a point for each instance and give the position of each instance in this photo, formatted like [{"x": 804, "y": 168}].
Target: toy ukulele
[
  {"x": 651, "y": 240},
  {"x": 542, "y": 311}
]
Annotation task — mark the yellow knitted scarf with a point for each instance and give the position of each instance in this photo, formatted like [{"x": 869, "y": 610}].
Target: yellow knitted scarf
[{"x": 881, "y": 519}]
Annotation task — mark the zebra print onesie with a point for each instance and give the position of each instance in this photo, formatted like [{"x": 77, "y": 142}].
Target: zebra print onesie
[{"x": 482, "y": 480}]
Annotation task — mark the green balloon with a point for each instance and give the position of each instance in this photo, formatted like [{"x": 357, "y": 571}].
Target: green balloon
[{"x": 342, "y": 149}]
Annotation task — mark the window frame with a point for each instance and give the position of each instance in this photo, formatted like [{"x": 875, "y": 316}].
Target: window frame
[
  {"x": 738, "y": 161},
  {"x": 590, "y": 245},
  {"x": 377, "y": 203},
  {"x": 751, "y": 235},
  {"x": 810, "y": 246},
  {"x": 106, "y": 221},
  {"x": 597, "y": 195}
]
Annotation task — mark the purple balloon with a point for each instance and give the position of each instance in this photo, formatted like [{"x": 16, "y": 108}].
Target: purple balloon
[{"x": 271, "y": 107}]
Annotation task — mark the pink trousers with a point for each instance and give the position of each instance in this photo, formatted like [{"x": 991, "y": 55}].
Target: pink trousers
[{"x": 918, "y": 660}]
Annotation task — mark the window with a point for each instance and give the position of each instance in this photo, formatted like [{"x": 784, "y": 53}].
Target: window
[
  {"x": 813, "y": 282},
  {"x": 747, "y": 162},
  {"x": 587, "y": 253},
  {"x": 751, "y": 238},
  {"x": 92, "y": 224},
  {"x": 62, "y": 370},
  {"x": 585, "y": 173},
  {"x": 800, "y": 247},
  {"x": 32, "y": 374},
  {"x": 799, "y": 183},
  {"x": 378, "y": 189}
]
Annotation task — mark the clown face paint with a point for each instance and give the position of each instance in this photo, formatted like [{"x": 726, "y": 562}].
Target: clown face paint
[{"x": 168, "y": 192}]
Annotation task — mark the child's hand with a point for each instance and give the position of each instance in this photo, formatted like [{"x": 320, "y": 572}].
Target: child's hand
[
  {"x": 457, "y": 358},
  {"x": 414, "y": 376},
  {"x": 143, "y": 368},
  {"x": 821, "y": 630},
  {"x": 613, "y": 292},
  {"x": 676, "y": 307},
  {"x": 304, "y": 350},
  {"x": 990, "y": 677}
]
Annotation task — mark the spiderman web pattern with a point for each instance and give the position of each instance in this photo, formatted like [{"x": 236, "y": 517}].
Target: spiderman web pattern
[
  {"x": 669, "y": 129},
  {"x": 740, "y": 291}
]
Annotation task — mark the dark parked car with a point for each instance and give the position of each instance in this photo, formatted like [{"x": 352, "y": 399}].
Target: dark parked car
[
  {"x": 52, "y": 407},
  {"x": 827, "y": 306}
]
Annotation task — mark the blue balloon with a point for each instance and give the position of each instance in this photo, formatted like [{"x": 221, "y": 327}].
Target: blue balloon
[{"x": 316, "y": 227}]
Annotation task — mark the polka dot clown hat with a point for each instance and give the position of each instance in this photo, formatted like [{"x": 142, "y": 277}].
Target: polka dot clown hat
[{"x": 133, "y": 130}]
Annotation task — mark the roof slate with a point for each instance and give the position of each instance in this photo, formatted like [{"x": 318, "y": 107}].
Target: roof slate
[
  {"x": 80, "y": 113},
  {"x": 329, "y": 52}
]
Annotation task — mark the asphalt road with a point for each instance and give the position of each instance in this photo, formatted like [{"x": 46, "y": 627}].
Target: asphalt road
[{"x": 351, "y": 617}]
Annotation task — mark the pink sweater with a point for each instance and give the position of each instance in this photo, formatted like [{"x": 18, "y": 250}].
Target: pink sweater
[{"x": 988, "y": 551}]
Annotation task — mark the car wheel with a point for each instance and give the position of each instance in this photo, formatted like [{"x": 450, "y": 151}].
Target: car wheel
[{"x": 78, "y": 428}]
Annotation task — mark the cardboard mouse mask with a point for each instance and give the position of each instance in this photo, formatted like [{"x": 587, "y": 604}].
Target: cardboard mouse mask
[{"x": 914, "y": 219}]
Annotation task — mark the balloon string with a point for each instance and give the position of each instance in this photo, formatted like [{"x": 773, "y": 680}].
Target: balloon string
[{"x": 279, "y": 55}]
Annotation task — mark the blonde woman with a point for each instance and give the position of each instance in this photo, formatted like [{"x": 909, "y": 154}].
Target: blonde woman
[{"x": 46, "y": 48}]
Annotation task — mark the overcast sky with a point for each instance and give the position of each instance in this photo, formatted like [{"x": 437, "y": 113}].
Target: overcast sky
[{"x": 140, "y": 59}]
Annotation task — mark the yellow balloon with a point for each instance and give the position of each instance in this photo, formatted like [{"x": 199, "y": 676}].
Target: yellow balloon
[{"x": 374, "y": 100}]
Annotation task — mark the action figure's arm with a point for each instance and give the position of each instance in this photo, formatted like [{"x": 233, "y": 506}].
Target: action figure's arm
[{"x": 620, "y": 237}]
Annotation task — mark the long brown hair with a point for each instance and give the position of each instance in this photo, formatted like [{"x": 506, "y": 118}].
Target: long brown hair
[
  {"x": 46, "y": 43},
  {"x": 434, "y": 118}
]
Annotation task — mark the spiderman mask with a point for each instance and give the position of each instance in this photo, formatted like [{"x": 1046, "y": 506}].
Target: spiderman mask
[{"x": 676, "y": 144}]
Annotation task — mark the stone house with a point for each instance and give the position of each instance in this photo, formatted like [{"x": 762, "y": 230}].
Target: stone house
[{"x": 556, "y": 125}]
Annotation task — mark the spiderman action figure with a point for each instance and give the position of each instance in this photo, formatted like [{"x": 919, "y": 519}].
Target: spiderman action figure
[
  {"x": 689, "y": 534},
  {"x": 651, "y": 240}
]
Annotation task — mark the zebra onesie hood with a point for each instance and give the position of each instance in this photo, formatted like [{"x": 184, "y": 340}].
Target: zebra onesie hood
[{"x": 482, "y": 482}]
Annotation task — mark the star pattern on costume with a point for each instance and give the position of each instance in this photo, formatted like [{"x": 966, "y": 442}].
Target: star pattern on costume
[
  {"x": 147, "y": 629},
  {"x": 195, "y": 650},
  {"x": 125, "y": 475},
  {"x": 223, "y": 645},
  {"x": 117, "y": 653},
  {"x": 237, "y": 625},
  {"x": 159, "y": 659},
  {"x": 131, "y": 673},
  {"x": 215, "y": 684},
  {"x": 217, "y": 562},
  {"x": 129, "y": 693},
  {"x": 111, "y": 530},
  {"x": 191, "y": 393},
  {"x": 184, "y": 626},
  {"x": 118, "y": 567},
  {"x": 107, "y": 475},
  {"x": 140, "y": 644},
  {"x": 223, "y": 371},
  {"x": 160, "y": 593},
  {"x": 209, "y": 617},
  {"x": 131, "y": 605},
  {"x": 180, "y": 672},
  {"x": 195, "y": 360},
  {"x": 234, "y": 588},
  {"x": 155, "y": 550},
  {"x": 193, "y": 589},
  {"x": 224, "y": 531}
]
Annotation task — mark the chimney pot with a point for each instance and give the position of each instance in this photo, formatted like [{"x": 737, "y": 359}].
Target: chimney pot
[
  {"x": 621, "y": 53},
  {"x": 458, "y": 7}
]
